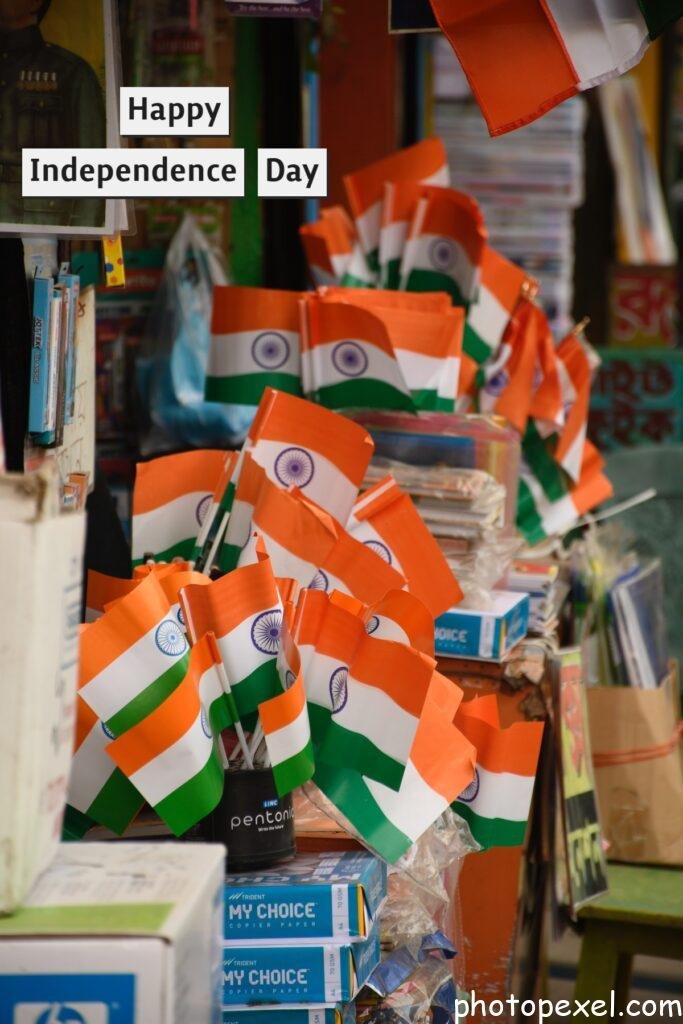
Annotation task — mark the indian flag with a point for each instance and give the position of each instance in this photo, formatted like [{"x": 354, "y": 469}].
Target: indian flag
[
  {"x": 255, "y": 343},
  {"x": 354, "y": 568},
  {"x": 358, "y": 273},
  {"x": 102, "y": 590},
  {"x": 549, "y": 506},
  {"x": 132, "y": 657},
  {"x": 547, "y": 407},
  {"x": 297, "y": 537},
  {"x": 445, "y": 246},
  {"x": 285, "y": 724},
  {"x": 398, "y": 206},
  {"x": 425, "y": 162},
  {"x": 171, "y": 756},
  {"x": 218, "y": 507},
  {"x": 522, "y": 61},
  {"x": 500, "y": 290},
  {"x": 509, "y": 378},
  {"x": 99, "y": 793},
  {"x": 243, "y": 609},
  {"x": 402, "y": 617},
  {"x": 496, "y": 803},
  {"x": 172, "y": 583},
  {"x": 386, "y": 520},
  {"x": 441, "y": 765},
  {"x": 427, "y": 302},
  {"x": 328, "y": 244},
  {"x": 576, "y": 371},
  {"x": 348, "y": 358},
  {"x": 171, "y": 496},
  {"x": 302, "y": 445}
]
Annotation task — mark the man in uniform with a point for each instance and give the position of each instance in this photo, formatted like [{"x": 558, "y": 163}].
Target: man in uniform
[{"x": 48, "y": 97}]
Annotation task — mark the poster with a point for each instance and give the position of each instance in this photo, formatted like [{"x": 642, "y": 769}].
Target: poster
[
  {"x": 276, "y": 8},
  {"x": 57, "y": 89},
  {"x": 637, "y": 398},
  {"x": 583, "y": 842}
]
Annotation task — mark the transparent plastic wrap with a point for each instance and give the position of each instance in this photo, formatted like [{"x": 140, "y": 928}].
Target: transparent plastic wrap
[
  {"x": 473, "y": 489},
  {"x": 428, "y": 995},
  {"x": 177, "y": 341}
]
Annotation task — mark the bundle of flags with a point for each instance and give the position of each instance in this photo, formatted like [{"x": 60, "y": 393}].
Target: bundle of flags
[{"x": 563, "y": 49}]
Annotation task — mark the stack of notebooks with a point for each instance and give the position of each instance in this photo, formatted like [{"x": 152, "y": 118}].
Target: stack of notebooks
[
  {"x": 528, "y": 184},
  {"x": 302, "y": 939},
  {"x": 636, "y": 626},
  {"x": 53, "y": 357},
  {"x": 546, "y": 590}
]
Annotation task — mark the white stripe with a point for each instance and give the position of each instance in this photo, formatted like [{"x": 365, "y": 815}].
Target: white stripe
[
  {"x": 414, "y": 808},
  {"x": 416, "y": 256},
  {"x": 322, "y": 278},
  {"x": 239, "y": 655},
  {"x": 603, "y": 37},
  {"x": 285, "y": 563},
  {"x": 392, "y": 240},
  {"x": 488, "y": 318},
  {"x": 91, "y": 769},
  {"x": 174, "y": 766},
  {"x": 210, "y": 688},
  {"x": 323, "y": 372},
  {"x": 132, "y": 672},
  {"x": 162, "y": 527},
  {"x": 340, "y": 262},
  {"x": 328, "y": 486},
  {"x": 360, "y": 529},
  {"x": 574, "y": 458},
  {"x": 93, "y": 613},
  {"x": 429, "y": 373},
  {"x": 389, "y": 629},
  {"x": 556, "y": 516},
  {"x": 239, "y": 523},
  {"x": 317, "y": 670},
  {"x": 231, "y": 355},
  {"x": 290, "y": 739},
  {"x": 503, "y": 795},
  {"x": 441, "y": 177},
  {"x": 368, "y": 226},
  {"x": 358, "y": 267},
  {"x": 374, "y": 714}
]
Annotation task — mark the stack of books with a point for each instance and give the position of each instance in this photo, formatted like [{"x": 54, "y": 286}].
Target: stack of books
[
  {"x": 546, "y": 590},
  {"x": 302, "y": 939}
]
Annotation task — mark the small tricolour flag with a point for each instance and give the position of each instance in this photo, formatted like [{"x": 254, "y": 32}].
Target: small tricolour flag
[
  {"x": 402, "y": 617},
  {"x": 172, "y": 494},
  {"x": 576, "y": 370},
  {"x": 441, "y": 764},
  {"x": 243, "y": 609},
  {"x": 171, "y": 756},
  {"x": 501, "y": 288},
  {"x": 348, "y": 360},
  {"x": 508, "y": 384},
  {"x": 302, "y": 445},
  {"x": 99, "y": 793},
  {"x": 424, "y": 162},
  {"x": 398, "y": 207},
  {"x": 328, "y": 244},
  {"x": 521, "y": 65},
  {"x": 386, "y": 520},
  {"x": 286, "y": 725},
  {"x": 255, "y": 344},
  {"x": 132, "y": 657},
  {"x": 496, "y": 803},
  {"x": 445, "y": 246},
  {"x": 102, "y": 590}
]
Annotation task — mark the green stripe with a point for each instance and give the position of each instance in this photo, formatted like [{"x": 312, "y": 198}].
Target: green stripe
[
  {"x": 294, "y": 771},
  {"x": 430, "y": 399},
  {"x": 474, "y": 346},
  {"x": 659, "y": 14},
  {"x": 248, "y": 388},
  {"x": 228, "y": 557},
  {"x": 181, "y": 549},
  {"x": 490, "y": 832},
  {"x": 347, "y": 748},
  {"x": 420, "y": 280},
  {"x": 529, "y": 522},
  {"x": 350, "y": 795},
  {"x": 390, "y": 275},
  {"x": 196, "y": 798},
  {"x": 254, "y": 689},
  {"x": 150, "y": 698},
  {"x": 363, "y": 393},
  {"x": 75, "y": 824},
  {"x": 542, "y": 464},
  {"x": 222, "y": 713},
  {"x": 351, "y": 281},
  {"x": 116, "y": 804}
]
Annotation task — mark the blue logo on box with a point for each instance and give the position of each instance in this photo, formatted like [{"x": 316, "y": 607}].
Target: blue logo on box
[{"x": 67, "y": 998}]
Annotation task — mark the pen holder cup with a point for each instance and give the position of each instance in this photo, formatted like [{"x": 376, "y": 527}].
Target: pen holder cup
[{"x": 252, "y": 821}]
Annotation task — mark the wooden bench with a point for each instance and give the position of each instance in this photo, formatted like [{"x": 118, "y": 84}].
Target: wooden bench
[{"x": 641, "y": 914}]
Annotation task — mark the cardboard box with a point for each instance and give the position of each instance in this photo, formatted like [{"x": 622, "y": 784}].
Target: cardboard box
[
  {"x": 304, "y": 972},
  {"x": 490, "y": 634},
  {"x": 326, "y": 896},
  {"x": 118, "y": 933},
  {"x": 289, "y": 1015},
  {"x": 40, "y": 596}
]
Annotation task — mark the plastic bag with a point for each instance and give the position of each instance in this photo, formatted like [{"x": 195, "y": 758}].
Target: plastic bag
[{"x": 178, "y": 337}]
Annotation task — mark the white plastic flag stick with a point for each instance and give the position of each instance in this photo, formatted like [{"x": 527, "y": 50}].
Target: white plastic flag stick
[
  {"x": 241, "y": 738},
  {"x": 622, "y": 506},
  {"x": 217, "y": 541}
]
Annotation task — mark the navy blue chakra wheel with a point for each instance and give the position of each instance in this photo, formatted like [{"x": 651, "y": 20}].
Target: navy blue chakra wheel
[
  {"x": 380, "y": 549},
  {"x": 339, "y": 689},
  {"x": 170, "y": 638},
  {"x": 270, "y": 350},
  {"x": 294, "y": 467},
  {"x": 443, "y": 254},
  {"x": 349, "y": 359},
  {"x": 319, "y": 582},
  {"x": 265, "y": 631},
  {"x": 470, "y": 794}
]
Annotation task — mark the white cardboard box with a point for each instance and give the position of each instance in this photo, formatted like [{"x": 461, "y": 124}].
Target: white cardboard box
[{"x": 118, "y": 933}]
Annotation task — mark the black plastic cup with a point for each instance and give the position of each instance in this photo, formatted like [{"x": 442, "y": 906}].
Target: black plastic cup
[{"x": 252, "y": 821}]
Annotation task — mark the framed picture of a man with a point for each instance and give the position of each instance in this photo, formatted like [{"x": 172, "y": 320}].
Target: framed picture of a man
[{"x": 57, "y": 83}]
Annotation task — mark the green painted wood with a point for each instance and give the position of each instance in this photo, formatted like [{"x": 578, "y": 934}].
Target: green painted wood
[
  {"x": 598, "y": 968},
  {"x": 246, "y": 249},
  {"x": 640, "y": 895}
]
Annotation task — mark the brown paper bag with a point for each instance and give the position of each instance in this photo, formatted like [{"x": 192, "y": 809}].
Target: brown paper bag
[{"x": 639, "y": 771}]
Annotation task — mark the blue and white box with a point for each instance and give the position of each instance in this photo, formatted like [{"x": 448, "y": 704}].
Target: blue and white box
[
  {"x": 316, "y": 896},
  {"x": 488, "y": 634},
  {"x": 39, "y": 390},
  {"x": 290, "y": 1014},
  {"x": 304, "y": 972}
]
